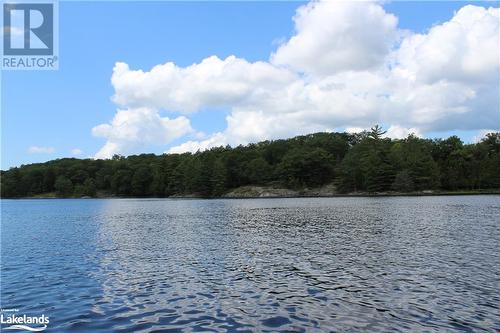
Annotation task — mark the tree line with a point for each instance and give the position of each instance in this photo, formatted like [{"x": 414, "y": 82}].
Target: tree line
[{"x": 360, "y": 162}]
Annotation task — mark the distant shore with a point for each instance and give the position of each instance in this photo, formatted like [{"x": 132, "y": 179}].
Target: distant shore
[{"x": 259, "y": 192}]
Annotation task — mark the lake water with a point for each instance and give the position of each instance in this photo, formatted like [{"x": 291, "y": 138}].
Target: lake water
[{"x": 319, "y": 264}]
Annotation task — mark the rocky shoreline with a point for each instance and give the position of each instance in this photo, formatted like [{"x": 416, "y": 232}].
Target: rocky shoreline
[{"x": 256, "y": 192}]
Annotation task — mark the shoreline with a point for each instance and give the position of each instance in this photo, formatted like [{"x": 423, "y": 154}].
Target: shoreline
[{"x": 271, "y": 196}]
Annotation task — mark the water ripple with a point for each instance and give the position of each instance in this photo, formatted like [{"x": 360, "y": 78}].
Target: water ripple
[{"x": 294, "y": 265}]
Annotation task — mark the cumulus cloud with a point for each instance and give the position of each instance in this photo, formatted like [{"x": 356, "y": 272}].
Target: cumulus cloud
[
  {"x": 398, "y": 132},
  {"x": 464, "y": 49},
  {"x": 212, "y": 82},
  {"x": 334, "y": 36},
  {"x": 450, "y": 76},
  {"x": 352, "y": 130},
  {"x": 346, "y": 66},
  {"x": 135, "y": 128},
  {"x": 215, "y": 140},
  {"x": 246, "y": 127},
  {"x": 393, "y": 132},
  {"x": 41, "y": 150}
]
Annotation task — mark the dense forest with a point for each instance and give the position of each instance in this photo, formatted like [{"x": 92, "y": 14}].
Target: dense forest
[{"x": 362, "y": 162}]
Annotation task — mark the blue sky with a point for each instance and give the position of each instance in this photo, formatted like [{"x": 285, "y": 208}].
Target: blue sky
[{"x": 58, "y": 109}]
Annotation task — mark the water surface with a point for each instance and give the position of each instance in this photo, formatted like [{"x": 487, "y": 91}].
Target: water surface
[{"x": 319, "y": 264}]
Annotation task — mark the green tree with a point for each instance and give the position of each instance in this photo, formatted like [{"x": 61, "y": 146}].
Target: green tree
[
  {"x": 351, "y": 176},
  {"x": 376, "y": 133},
  {"x": 49, "y": 179},
  {"x": 363, "y": 161},
  {"x": 79, "y": 176},
  {"x": 121, "y": 182},
  {"x": 141, "y": 181},
  {"x": 90, "y": 188},
  {"x": 403, "y": 182},
  {"x": 63, "y": 186},
  {"x": 415, "y": 155},
  {"x": 378, "y": 171},
  {"x": 258, "y": 171},
  {"x": 301, "y": 167},
  {"x": 219, "y": 178}
]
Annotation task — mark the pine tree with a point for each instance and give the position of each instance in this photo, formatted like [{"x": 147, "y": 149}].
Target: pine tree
[{"x": 219, "y": 178}]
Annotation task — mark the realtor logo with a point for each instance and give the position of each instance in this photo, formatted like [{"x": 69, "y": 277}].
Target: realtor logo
[
  {"x": 29, "y": 36},
  {"x": 30, "y": 29},
  {"x": 10, "y": 319}
]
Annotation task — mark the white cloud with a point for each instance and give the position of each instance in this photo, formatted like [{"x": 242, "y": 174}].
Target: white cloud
[
  {"x": 134, "y": 128},
  {"x": 41, "y": 150},
  {"x": 245, "y": 127},
  {"x": 334, "y": 36},
  {"x": 212, "y": 82},
  {"x": 346, "y": 66},
  {"x": 398, "y": 132},
  {"x": 393, "y": 132},
  {"x": 450, "y": 76},
  {"x": 356, "y": 129},
  {"x": 76, "y": 152},
  {"x": 481, "y": 134},
  {"x": 216, "y": 140},
  {"x": 464, "y": 49}
]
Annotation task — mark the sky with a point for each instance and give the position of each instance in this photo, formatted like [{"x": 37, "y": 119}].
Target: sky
[{"x": 157, "y": 77}]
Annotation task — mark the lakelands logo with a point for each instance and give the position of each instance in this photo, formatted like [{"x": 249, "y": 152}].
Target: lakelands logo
[
  {"x": 30, "y": 35},
  {"x": 10, "y": 319}
]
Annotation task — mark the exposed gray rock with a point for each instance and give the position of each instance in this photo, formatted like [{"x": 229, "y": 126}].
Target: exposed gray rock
[
  {"x": 260, "y": 192},
  {"x": 275, "y": 192}
]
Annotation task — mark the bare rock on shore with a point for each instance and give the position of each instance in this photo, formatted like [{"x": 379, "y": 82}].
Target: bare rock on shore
[
  {"x": 277, "y": 192},
  {"x": 260, "y": 192},
  {"x": 327, "y": 190}
]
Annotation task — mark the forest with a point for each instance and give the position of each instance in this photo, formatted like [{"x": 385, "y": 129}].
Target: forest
[{"x": 365, "y": 162}]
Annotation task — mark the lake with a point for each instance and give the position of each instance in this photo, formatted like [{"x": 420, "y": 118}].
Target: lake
[{"x": 308, "y": 264}]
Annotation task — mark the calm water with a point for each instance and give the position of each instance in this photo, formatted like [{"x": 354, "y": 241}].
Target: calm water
[{"x": 336, "y": 264}]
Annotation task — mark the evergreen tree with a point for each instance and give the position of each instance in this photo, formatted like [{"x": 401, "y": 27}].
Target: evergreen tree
[
  {"x": 403, "y": 182},
  {"x": 219, "y": 178},
  {"x": 363, "y": 161}
]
